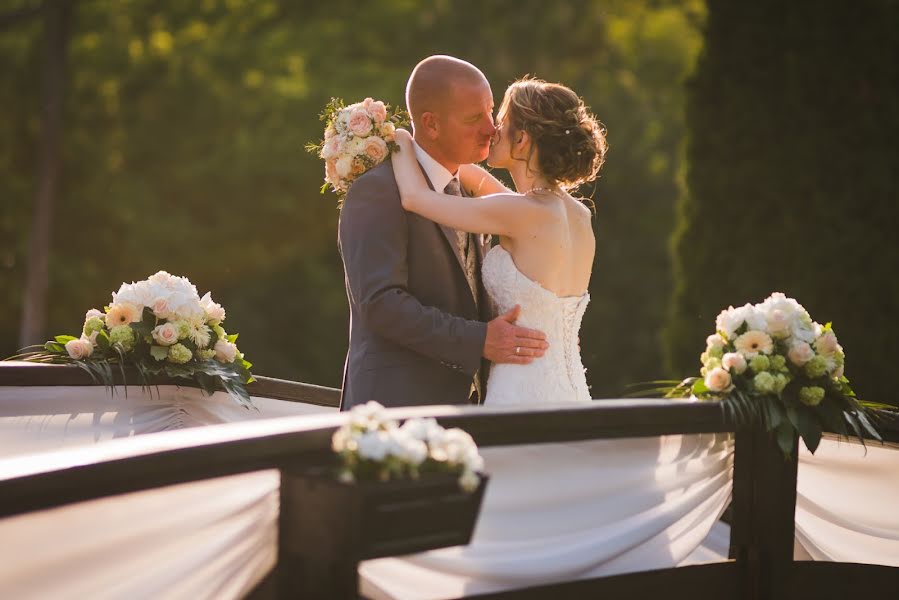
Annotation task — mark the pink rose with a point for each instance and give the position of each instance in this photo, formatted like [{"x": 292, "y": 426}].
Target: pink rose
[
  {"x": 827, "y": 343},
  {"x": 331, "y": 171},
  {"x": 161, "y": 307},
  {"x": 165, "y": 334},
  {"x": 360, "y": 123},
  {"x": 800, "y": 353},
  {"x": 375, "y": 148},
  {"x": 225, "y": 351},
  {"x": 718, "y": 380},
  {"x": 79, "y": 349},
  {"x": 378, "y": 111},
  {"x": 332, "y": 148},
  {"x": 734, "y": 361}
]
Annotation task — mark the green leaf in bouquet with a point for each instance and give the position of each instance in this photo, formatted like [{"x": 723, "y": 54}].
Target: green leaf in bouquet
[
  {"x": 208, "y": 383},
  {"x": 853, "y": 422},
  {"x": 867, "y": 425},
  {"x": 809, "y": 428},
  {"x": 63, "y": 339},
  {"x": 120, "y": 352},
  {"x": 233, "y": 338},
  {"x": 159, "y": 352},
  {"x": 55, "y": 347},
  {"x": 699, "y": 387},
  {"x": 775, "y": 414},
  {"x": 148, "y": 317},
  {"x": 832, "y": 414},
  {"x": 785, "y": 435},
  {"x": 237, "y": 391},
  {"x": 103, "y": 341}
]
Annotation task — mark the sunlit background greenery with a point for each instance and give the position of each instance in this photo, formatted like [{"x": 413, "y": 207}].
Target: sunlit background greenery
[{"x": 184, "y": 125}]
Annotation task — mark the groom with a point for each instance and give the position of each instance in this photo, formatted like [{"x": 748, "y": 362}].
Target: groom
[{"x": 417, "y": 306}]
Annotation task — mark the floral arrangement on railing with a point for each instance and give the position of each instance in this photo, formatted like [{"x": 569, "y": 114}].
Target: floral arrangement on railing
[
  {"x": 160, "y": 326},
  {"x": 372, "y": 447},
  {"x": 357, "y": 137},
  {"x": 770, "y": 363}
]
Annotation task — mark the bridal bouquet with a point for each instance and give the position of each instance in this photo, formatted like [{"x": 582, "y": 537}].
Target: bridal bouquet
[
  {"x": 770, "y": 362},
  {"x": 160, "y": 326},
  {"x": 357, "y": 137},
  {"x": 372, "y": 447}
]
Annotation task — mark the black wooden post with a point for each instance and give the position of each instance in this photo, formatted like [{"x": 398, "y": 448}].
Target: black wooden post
[{"x": 764, "y": 506}]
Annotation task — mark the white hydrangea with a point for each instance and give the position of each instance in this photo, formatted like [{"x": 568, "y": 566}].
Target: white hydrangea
[{"x": 731, "y": 319}]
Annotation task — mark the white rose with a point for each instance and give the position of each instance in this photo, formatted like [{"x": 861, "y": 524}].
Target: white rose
[
  {"x": 79, "y": 349},
  {"x": 469, "y": 481},
  {"x": 93, "y": 313},
  {"x": 718, "y": 380},
  {"x": 373, "y": 445},
  {"x": 734, "y": 361},
  {"x": 225, "y": 351},
  {"x": 165, "y": 334},
  {"x": 424, "y": 429},
  {"x": 387, "y": 129},
  {"x": 800, "y": 353},
  {"x": 214, "y": 311},
  {"x": 344, "y": 166},
  {"x": 714, "y": 341}
]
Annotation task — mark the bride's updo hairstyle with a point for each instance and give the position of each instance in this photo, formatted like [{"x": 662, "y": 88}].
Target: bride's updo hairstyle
[{"x": 570, "y": 141}]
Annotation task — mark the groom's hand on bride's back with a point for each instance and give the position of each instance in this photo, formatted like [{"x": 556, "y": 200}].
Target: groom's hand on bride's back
[{"x": 508, "y": 343}]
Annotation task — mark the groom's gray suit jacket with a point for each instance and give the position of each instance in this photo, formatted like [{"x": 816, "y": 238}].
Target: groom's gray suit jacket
[{"x": 416, "y": 336}]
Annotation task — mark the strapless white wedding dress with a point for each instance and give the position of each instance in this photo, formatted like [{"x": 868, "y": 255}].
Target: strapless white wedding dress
[{"x": 557, "y": 376}]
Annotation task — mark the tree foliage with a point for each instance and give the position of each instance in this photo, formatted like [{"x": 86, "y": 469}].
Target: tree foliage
[
  {"x": 791, "y": 168},
  {"x": 183, "y": 150}
]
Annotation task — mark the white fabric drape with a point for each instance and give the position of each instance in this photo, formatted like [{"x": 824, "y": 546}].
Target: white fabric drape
[
  {"x": 213, "y": 539},
  {"x": 555, "y": 512},
  {"x": 847, "y": 503},
  {"x": 38, "y": 418}
]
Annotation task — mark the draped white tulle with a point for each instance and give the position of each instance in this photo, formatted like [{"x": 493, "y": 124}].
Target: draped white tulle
[
  {"x": 846, "y": 503},
  {"x": 213, "y": 539},
  {"x": 557, "y": 376},
  {"x": 557, "y": 512},
  {"x": 36, "y": 418}
]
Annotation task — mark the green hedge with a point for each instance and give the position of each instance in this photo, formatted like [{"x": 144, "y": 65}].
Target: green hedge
[{"x": 792, "y": 169}]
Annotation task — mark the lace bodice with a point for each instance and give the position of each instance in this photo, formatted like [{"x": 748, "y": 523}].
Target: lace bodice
[{"x": 558, "y": 376}]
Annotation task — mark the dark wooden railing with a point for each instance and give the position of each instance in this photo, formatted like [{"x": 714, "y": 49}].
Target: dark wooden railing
[{"x": 763, "y": 505}]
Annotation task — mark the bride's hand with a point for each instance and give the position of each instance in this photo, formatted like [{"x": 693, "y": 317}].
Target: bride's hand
[{"x": 402, "y": 138}]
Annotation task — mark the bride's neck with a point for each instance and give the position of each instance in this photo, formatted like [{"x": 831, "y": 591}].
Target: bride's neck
[{"x": 526, "y": 179}]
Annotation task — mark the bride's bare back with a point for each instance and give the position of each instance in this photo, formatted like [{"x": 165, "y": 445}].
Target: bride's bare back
[{"x": 558, "y": 250}]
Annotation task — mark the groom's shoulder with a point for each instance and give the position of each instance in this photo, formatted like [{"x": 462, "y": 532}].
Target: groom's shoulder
[{"x": 378, "y": 181}]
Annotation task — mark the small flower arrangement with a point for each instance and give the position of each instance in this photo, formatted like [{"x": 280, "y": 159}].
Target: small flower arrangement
[
  {"x": 770, "y": 362},
  {"x": 357, "y": 137},
  {"x": 372, "y": 447},
  {"x": 161, "y": 326}
]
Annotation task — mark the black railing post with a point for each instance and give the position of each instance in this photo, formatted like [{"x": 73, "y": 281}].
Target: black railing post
[{"x": 764, "y": 507}]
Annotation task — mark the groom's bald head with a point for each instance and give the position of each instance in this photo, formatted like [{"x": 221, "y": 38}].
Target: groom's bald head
[{"x": 433, "y": 80}]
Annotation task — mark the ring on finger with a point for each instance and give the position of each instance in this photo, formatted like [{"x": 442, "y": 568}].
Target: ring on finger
[{"x": 517, "y": 349}]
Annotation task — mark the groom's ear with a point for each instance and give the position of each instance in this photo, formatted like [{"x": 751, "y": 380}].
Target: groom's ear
[{"x": 429, "y": 125}]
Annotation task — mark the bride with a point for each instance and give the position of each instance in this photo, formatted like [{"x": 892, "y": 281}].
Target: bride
[{"x": 549, "y": 143}]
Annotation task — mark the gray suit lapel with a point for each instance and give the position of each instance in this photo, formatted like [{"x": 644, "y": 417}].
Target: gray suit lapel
[{"x": 448, "y": 232}]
